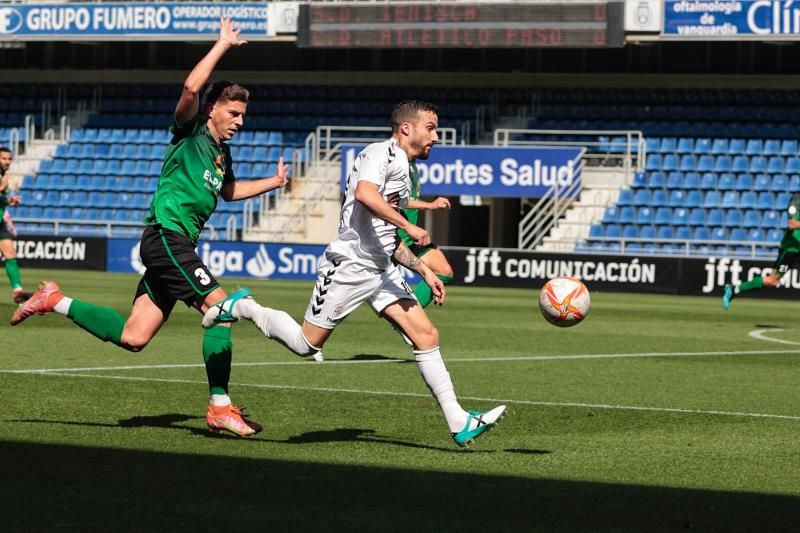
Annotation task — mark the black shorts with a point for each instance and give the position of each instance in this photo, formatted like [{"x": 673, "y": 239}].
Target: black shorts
[
  {"x": 174, "y": 271},
  {"x": 419, "y": 251},
  {"x": 786, "y": 261},
  {"x": 4, "y": 233}
]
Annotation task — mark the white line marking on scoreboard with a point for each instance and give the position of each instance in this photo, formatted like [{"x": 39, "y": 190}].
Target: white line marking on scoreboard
[{"x": 420, "y": 395}]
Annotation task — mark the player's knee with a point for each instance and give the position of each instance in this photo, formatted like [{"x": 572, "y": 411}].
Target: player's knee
[
  {"x": 447, "y": 270},
  {"x": 134, "y": 342},
  {"x": 772, "y": 281},
  {"x": 425, "y": 337}
]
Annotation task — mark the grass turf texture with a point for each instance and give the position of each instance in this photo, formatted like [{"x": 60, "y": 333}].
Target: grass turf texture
[{"x": 645, "y": 443}]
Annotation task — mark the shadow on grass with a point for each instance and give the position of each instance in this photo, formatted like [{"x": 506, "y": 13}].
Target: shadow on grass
[
  {"x": 51, "y": 488},
  {"x": 376, "y": 357}
]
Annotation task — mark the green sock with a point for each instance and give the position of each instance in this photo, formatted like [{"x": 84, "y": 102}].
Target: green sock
[
  {"x": 424, "y": 293},
  {"x": 102, "y": 322},
  {"x": 752, "y": 285},
  {"x": 12, "y": 269},
  {"x": 217, "y": 352}
]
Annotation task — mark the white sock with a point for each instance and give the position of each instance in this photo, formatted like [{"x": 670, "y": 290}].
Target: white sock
[
  {"x": 275, "y": 324},
  {"x": 220, "y": 400},
  {"x": 62, "y": 307},
  {"x": 437, "y": 378}
]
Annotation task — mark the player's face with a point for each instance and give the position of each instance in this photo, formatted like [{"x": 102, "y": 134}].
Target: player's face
[
  {"x": 423, "y": 135},
  {"x": 5, "y": 160},
  {"x": 226, "y": 118}
]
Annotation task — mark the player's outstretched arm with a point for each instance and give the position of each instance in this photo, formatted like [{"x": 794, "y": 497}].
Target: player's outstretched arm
[
  {"x": 367, "y": 193},
  {"x": 189, "y": 103},
  {"x": 440, "y": 203},
  {"x": 241, "y": 190},
  {"x": 405, "y": 257}
]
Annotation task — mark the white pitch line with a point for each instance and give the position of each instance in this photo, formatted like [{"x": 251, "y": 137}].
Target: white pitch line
[
  {"x": 760, "y": 335},
  {"x": 447, "y": 360},
  {"x": 420, "y": 395}
]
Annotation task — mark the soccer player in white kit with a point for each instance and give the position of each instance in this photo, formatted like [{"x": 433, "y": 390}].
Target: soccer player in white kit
[{"x": 361, "y": 265}]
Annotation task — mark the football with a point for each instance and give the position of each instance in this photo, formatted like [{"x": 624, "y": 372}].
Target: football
[{"x": 564, "y": 301}]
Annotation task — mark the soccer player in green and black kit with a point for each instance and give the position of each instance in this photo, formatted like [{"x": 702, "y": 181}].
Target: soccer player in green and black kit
[
  {"x": 6, "y": 234},
  {"x": 196, "y": 170},
  {"x": 788, "y": 257},
  {"x": 431, "y": 255}
]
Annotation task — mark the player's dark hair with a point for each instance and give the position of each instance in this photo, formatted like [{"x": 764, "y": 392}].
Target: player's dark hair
[
  {"x": 406, "y": 111},
  {"x": 4, "y": 149},
  {"x": 225, "y": 91}
]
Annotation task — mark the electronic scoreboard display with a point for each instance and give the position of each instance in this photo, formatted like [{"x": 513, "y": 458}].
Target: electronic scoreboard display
[{"x": 460, "y": 25}]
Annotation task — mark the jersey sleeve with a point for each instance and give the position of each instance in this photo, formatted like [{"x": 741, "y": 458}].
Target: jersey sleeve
[
  {"x": 374, "y": 167},
  {"x": 180, "y": 131}
]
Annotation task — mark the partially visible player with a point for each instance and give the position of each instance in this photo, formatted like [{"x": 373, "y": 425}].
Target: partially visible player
[
  {"x": 360, "y": 266},
  {"x": 788, "y": 257},
  {"x": 431, "y": 255},
  {"x": 7, "y": 231},
  {"x": 196, "y": 171}
]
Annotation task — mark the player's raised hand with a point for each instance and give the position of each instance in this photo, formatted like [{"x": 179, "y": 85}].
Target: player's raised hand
[
  {"x": 420, "y": 235},
  {"x": 14, "y": 200},
  {"x": 228, "y": 33},
  {"x": 437, "y": 287},
  {"x": 282, "y": 173},
  {"x": 440, "y": 203}
]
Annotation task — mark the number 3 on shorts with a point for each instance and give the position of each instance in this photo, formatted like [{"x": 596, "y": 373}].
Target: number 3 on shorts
[{"x": 201, "y": 275}]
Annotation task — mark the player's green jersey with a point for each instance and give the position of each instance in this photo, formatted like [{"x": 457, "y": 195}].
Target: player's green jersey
[
  {"x": 3, "y": 198},
  {"x": 412, "y": 215},
  {"x": 194, "y": 171},
  {"x": 791, "y": 239}
]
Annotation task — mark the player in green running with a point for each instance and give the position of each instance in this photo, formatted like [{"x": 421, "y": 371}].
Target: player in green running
[
  {"x": 788, "y": 257},
  {"x": 7, "y": 231},
  {"x": 431, "y": 255},
  {"x": 196, "y": 171}
]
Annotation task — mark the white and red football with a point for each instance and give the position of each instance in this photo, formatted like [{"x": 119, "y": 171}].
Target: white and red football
[{"x": 564, "y": 301}]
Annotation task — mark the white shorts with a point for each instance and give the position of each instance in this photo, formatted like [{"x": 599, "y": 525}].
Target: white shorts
[{"x": 343, "y": 284}]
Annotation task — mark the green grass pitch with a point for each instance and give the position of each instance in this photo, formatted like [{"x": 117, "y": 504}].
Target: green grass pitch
[{"x": 658, "y": 413}]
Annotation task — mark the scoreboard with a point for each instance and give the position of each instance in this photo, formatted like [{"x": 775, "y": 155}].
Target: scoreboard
[{"x": 460, "y": 25}]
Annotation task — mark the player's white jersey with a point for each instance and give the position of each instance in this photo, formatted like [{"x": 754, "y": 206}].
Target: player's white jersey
[{"x": 363, "y": 236}]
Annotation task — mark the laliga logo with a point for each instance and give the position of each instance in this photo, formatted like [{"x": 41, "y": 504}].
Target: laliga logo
[
  {"x": 260, "y": 266},
  {"x": 10, "y": 20}
]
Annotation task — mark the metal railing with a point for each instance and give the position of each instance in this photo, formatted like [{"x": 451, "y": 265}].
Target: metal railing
[
  {"x": 107, "y": 225},
  {"x": 684, "y": 247}
]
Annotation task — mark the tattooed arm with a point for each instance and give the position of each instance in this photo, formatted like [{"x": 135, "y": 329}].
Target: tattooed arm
[{"x": 405, "y": 257}]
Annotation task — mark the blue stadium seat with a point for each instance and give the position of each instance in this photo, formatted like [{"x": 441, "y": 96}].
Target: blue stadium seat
[
  {"x": 708, "y": 180},
  {"x": 733, "y": 217},
  {"x": 770, "y": 219},
  {"x": 691, "y": 180},
  {"x": 659, "y": 197},
  {"x": 677, "y": 198},
  {"x": 665, "y": 232},
  {"x": 714, "y": 217},
  {"x": 777, "y": 183},
  {"x": 694, "y": 198},
  {"x": 663, "y": 215},
  {"x": 626, "y": 215},
  {"x": 744, "y": 182},
  {"x": 670, "y": 162},
  {"x": 652, "y": 144},
  {"x": 775, "y": 235},
  {"x": 788, "y": 148},
  {"x": 668, "y": 145},
  {"x": 701, "y": 233},
  {"x": 737, "y": 146},
  {"x": 755, "y": 235},
  {"x": 640, "y": 179},
  {"x": 647, "y": 232},
  {"x": 706, "y": 163},
  {"x": 674, "y": 180},
  {"x": 683, "y": 232},
  {"x": 712, "y": 199},
  {"x": 792, "y": 165},
  {"x": 752, "y": 218},
  {"x": 630, "y": 231},
  {"x": 657, "y": 180},
  {"x": 775, "y": 165},
  {"x": 737, "y": 234},
  {"x": 720, "y": 146},
  {"x": 762, "y": 182},
  {"x": 794, "y": 182},
  {"x": 741, "y": 163},
  {"x": 680, "y": 217},
  {"x": 702, "y": 145},
  {"x": 644, "y": 215},
  {"x": 748, "y": 200},
  {"x": 685, "y": 145},
  {"x": 641, "y": 197},
  {"x": 758, "y": 163},
  {"x": 719, "y": 234},
  {"x": 754, "y": 147},
  {"x": 730, "y": 199},
  {"x": 688, "y": 162},
  {"x": 772, "y": 147},
  {"x": 611, "y": 214},
  {"x": 783, "y": 199},
  {"x": 723, "y": 163},
  {"x": 766, "y": 200}
]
